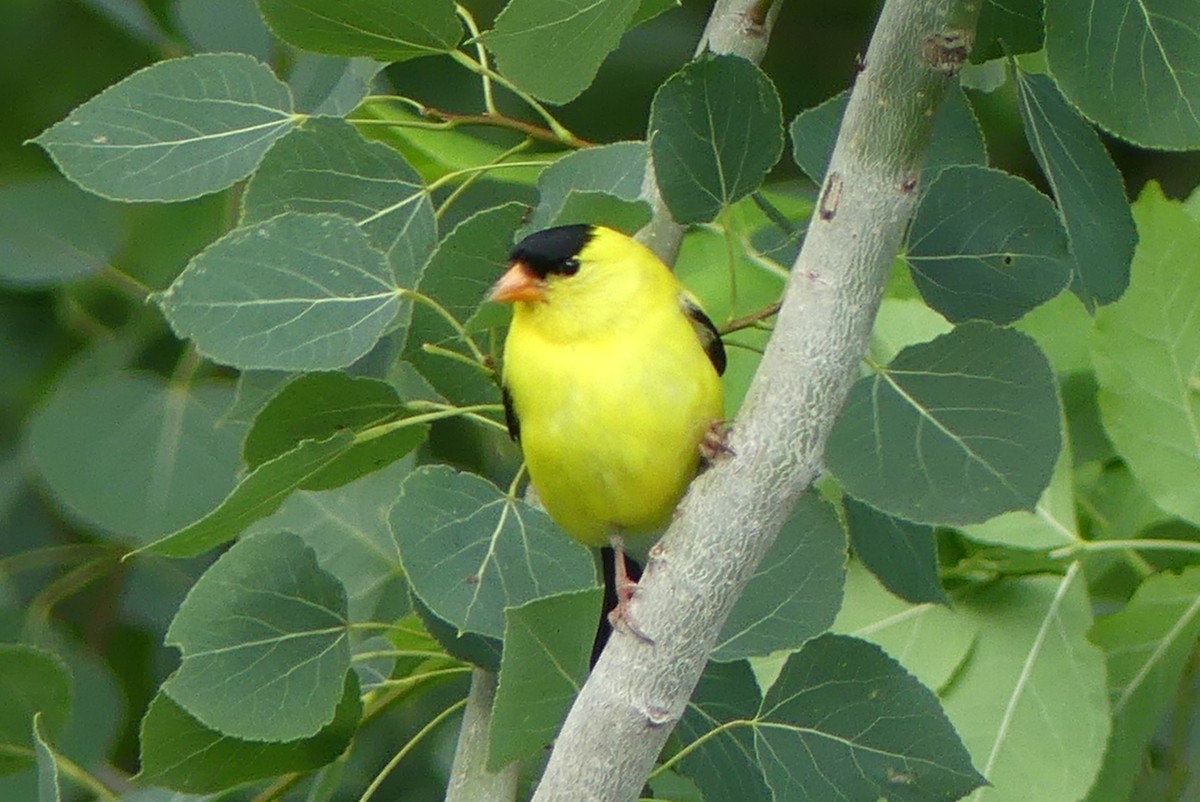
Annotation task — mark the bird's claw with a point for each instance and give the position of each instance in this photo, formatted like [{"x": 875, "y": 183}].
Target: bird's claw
[
  {"x": 715, "y": 443},
  {"x": 623, "y": 615}
]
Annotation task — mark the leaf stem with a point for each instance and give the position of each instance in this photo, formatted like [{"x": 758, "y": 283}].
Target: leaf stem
[
  {"x": 1137, "y": 544},
  {"x": 489, "y": 102},
  {"x": 375, "y": 432},
  {"x": 457, "y": 192},
  {"x": 696, "y": 744},
  {"x": 408, "y": 747},
  {"x": 404, "y": 682},
  {"x": 425, "y": 300},
  {"x": 751, "y": 320},
  {"x": 483, "y": 168}
]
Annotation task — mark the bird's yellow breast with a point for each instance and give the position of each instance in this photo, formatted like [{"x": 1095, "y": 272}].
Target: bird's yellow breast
[{"x": 611, "y": 420}]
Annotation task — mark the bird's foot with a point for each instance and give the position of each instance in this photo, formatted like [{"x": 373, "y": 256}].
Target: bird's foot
[
  {"x": 622, "y": 614},
  {"x": 715, "y": 443}
]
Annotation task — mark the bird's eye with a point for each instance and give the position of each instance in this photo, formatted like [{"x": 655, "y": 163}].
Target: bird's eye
[{"x": 570, "y": 266}]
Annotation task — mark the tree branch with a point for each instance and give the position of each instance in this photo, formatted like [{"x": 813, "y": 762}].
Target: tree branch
[
  {"x": 638, "y": 691},
  {"x": 470, "y": 780},
  {"x": 735, "y": 27}
]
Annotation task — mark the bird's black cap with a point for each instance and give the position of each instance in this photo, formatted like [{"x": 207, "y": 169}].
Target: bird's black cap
[{"x": 554, "y": 250}]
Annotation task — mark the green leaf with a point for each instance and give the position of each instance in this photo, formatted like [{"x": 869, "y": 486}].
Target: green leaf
[
  {"x": 1030, "y": 704},
  {"x": 316, "y": 406},
  {"x": 842, "y": 721},
  {"x": 902, "y": 555},
  {"x": 34, "y": 682},
  {"x": 553, "y": 49},
  {"x": 466, "y": 646},
  {"x": 953, "y": 431},
  {"x": 134, "y": 455},
  {"x": 797, "y": 589},
  {"x": 175, "y": 130},
  {"x": 902, "y": 322},
  {"x": 931, "y": 641},
  {"x": 1087, "y": 186},
  {"x": 50, "y": 232},
  {"x": 326, "y": 166},
  {"x": 956, "y": 137},
  {"x": 605, "y": 210},
  {"x": 649, "y": 9},
  {"x": 1147, "y": 645},
  {"x": 547, "y": 644},
  {"x": 1146, "y": 348},
  {"x": 1130, "y": 67},
  {"x": 1008, "y": 27},
  {"x": 264, "y": 641},
  {"x": 347, "y": 528},
  {"x": 47, "y": 764},
  {"x": 469, "y": 550},
  {"x": 986, "y": 245},
  {"x": 377, "y": 29},
  {"x": 296, "y": 292},
  {"x": 180, "y": 752},
  {"x": 224, "y": 26},
  {"x": 257, "y": 495},
  {"x": 716, "y": 128},
  {"x": 162, "y": 237},
  {"x": 331, "y": 85},
  {"x": 617, "y": 169}
]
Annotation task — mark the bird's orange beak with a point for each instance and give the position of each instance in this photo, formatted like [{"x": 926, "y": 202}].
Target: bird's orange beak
[{"x": 518, "y": 283}]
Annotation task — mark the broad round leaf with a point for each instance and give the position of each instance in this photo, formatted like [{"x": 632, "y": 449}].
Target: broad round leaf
[
  {"x": 1131, "y": 67},
  {"x": 617, "y": 170},
  {"x": 1008, "y": 27},
  {"x": 134, "y": 456},
  {"x": 953, "y": 431},
  {"x": 797, "y": 589},
  {"x": 552, "y": 49},
  {"x": 331, "y": 85},
  {"x": 902, "y": 555},
  {"x": 842, "y": 721},
  {"x": 326, "y": 166},
  {"x": 51, "y": 232},
  {"x": 986, "y": 245},
  {"x": 296, "y": 292},
  {"x": 382, "y": 30},
  {"x": 180, "y": 752},
  {"x": 1146, "y": 348},
  {"x": 716, "y": 128},
  {"x": 264, "y": 640},
  {"x": 176, "y": 130},
  {"x": 1087, "y": 186},
  {"x": 34, "y": 682},
  {"x": 469, "y": 550}
]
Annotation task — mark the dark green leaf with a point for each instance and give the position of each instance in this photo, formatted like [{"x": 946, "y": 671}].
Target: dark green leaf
[
  {"x": 547, "y": 643},
  {"x": 1030, "y": 703},
  {"x": 1130, "y": 67},
  {"x": 254, "y": 389},
  {"x": 326, "y": 166},
  {"x": 797, "y": 589},
  {"x": 466, "y": 646},
  {"x": 47, "y": 764},
  {"x": 649, "y": 9},
  {"x": 605, "y": 210},
  {"x": 956, "y": 137},
  {"x": 331, "y": 85},
  {"x": 902, "y": 555},
  {"x": 51, "y": 232},
  {"x": 378, "y": 29},
  {"x": 469, "y": 550},
  {"x": 1008, "y": 27},
  {"x": 296, "y": 292},
  {"x": 1146, "y": 348},
  {"x": 1087, "y": 186},
  {"x": 135, "y": 456},
  {"x": 176, "y": 130},
  {"x": 316, "y": 406},
  {"x": 986, "y": 245},
  {"x": 224, "y": 26},
  {"x": 34, "y": 682},
  {"x": 264, "y": 640},
  {"x": 163, "y": 237},
  {"x": 617, "y": 169},
  {"x": 181, "y": 753},
  {"x": 553, "y": 50},
  {"x": 1147, "y": 645},
  {"x": 952, "y": 431},
  {"x": 257, "y": 495},
  {"x": 716, "y": 128},
  {"x": 842, "y": 721}
]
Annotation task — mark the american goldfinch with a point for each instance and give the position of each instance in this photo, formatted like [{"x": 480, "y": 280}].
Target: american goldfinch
[{"x": 611, "y": 383}]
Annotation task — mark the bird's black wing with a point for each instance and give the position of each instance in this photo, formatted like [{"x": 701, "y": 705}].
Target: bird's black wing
[
  {"x": 710, "y": 338},
  {"x": 510, "y": 415}
]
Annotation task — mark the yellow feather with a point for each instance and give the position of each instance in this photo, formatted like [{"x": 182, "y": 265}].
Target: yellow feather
[{"x": 613, "y": 389}]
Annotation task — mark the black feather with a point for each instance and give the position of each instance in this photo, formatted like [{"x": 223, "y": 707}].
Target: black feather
[
  {"x": 510, "y": 414},
  {"x": 710, "y": 338},
  {"x": 554, "y": 250}
]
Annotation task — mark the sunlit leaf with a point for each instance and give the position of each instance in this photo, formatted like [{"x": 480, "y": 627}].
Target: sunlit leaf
[{"x": 377, "y": 29}]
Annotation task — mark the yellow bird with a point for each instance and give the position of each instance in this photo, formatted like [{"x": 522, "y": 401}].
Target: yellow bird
[{"x": 611, "y": 383}]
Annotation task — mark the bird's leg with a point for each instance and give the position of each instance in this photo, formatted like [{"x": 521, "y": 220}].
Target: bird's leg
[
  {"x": 715, "y": 442},
  {"x": 625, "y": 587}
]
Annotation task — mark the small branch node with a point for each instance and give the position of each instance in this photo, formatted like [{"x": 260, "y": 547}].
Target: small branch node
[
  {"x": 946, "y": 52},
  {"x": 830, "y": 197},
  {"x": 658, "y": 717},
  {"x": 909, "y": 183}
]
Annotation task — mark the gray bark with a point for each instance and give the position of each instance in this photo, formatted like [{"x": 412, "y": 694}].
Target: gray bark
[
  {"x": 470, "y": 780},
  {"x": 637, "y": 692}
]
